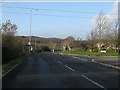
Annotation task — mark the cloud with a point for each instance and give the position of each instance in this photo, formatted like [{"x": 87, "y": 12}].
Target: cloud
[
  {"x": 112, "y": 15},
  {"x": 93, "y": 20}
]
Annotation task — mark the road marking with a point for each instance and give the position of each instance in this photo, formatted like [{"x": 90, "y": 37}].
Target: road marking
[
  {"x": 110, "y": 65},
  {"x": 11, "y": 69},
  {"x": 61, "y": 53},
  {"x": 80, "y": 58},
  {"x": 106, "y": 64},
  {"x": 94, "y": 82},
  {"x": 60, "y": 62},
  {"x": 69, "y": 68},
  {"x": 93, "y": 60}
]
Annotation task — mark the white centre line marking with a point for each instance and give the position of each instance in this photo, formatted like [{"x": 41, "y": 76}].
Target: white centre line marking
[
  {"x": 69, "y": 68},
  {"x": 93, "y": 60},
  {"x": 59, "y": 62},
  {"x": 94, "y": 82},
  {"x": 80, "y": 58}
]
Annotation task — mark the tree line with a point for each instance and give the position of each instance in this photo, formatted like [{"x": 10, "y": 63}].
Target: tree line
[{"x": 104, "y": 35}]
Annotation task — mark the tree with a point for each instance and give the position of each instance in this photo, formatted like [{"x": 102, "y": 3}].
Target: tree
[
  {"x": 9, "y": 28},
  {"x": 11, "y": 46},
  {"x": 8, "y": 31},
  {"x": 113, "y": 35},
  {"x": 105, "y": 34},
  {"x": 92, "y": 39},
  {"x": 68, "y": 42},
  {"x": 102, "y": 27},
  {"x": 118, "y": 38},
  {"x": 98, "y": 34},
  {"x": 45, "y": 48}
]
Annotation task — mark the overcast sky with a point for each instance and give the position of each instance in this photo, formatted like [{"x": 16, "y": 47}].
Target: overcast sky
[{"x": 59, "y": 26}]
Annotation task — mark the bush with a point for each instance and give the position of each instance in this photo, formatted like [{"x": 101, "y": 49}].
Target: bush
[
  {"x": 12, "y": 47},
  {"x": 45, "y": 48},
  {"x": 10, "y": 52}
]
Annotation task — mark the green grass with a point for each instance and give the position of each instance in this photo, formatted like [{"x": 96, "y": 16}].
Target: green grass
[
  {"x": 6, "y": 67},
  {"x": 9, "y": 65},
  {"x": 91, "y": 53}
]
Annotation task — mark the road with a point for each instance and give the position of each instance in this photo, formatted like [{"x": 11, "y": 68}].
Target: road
[{"x": 49, "y": 70}]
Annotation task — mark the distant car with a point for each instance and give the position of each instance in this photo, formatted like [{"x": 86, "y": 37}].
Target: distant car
[
  {"x": 103, "y": 51},
  {"x": 45, "y": 48},
  {"x": 39, "y": 50}
]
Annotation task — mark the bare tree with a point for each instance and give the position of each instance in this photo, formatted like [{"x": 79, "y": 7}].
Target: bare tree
[
  {"x": 118, "y": 38},
  {"x": 102, "y": 26},
  {"x": 92, "y": 39},
  {"x": 8, "y": 28},
  {"x": 105, "y": 33},
  {"x": 68, "y": 42},
  {"x": 113, "y": 36}
]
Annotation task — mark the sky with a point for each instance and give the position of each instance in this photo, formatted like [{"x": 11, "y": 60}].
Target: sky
[{"x": 55, "y": 26}]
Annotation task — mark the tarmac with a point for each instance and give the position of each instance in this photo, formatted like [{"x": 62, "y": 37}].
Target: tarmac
[{"x": 110, "y": 61}]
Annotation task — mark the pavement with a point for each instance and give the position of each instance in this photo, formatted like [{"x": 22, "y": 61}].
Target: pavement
[{"x": 51, "y": 70}]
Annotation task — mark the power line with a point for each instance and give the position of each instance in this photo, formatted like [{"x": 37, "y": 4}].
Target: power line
[
  {"x": 49, "y": 15},
  {"x": 46, "y": 15},
  {"x": 29, "y": 14},
  {"x": 69, "y": 11},
  {"x": 26, "y": 8}
]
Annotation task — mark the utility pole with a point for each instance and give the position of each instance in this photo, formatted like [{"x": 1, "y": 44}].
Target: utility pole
[
  {"x": 53, "y": 47},
  {"x": 30, "y": 31},
  {"x": 35, "y": 43},
  {"x": 61, "y": 46}
]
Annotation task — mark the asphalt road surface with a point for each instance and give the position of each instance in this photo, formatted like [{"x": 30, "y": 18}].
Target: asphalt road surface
[{"x": 49, "y": 70}]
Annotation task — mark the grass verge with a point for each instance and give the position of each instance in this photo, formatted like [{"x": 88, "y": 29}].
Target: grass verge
[
  {"x": 91, "y": 53},
  {"x": 6, "y": 67}
]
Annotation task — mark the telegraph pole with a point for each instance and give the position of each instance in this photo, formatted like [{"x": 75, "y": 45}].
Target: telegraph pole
[
  {"x": 30, "y": 30},
  {"x": 35, "y": 43}
]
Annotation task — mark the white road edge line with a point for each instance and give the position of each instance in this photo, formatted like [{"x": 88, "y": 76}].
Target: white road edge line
[
  {"x": 80, "y": 58},
  {"x": 94, "y": 82},
  {"x": 69, "y": 68},
  {"x": 107, "y": 64},
  {"x": 59, "y": 62},
  {"x": 11, "y": 69}
]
